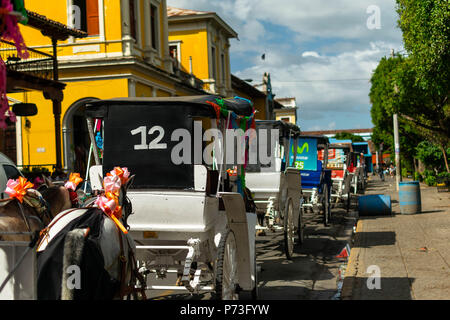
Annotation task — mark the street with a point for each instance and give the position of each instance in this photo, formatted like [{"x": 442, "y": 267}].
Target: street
[{"x": 310, "y": 275}]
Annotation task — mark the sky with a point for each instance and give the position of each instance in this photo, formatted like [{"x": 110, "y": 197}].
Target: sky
[{"x": 321, "y": 52}]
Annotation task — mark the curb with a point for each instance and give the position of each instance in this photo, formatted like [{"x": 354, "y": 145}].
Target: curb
[{"x": 352, "y": 267}]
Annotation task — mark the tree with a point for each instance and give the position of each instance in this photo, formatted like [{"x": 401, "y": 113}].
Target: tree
[
  {"x": 393, "y": 91},
  {"x": 426, "y": 34},
  {"x": 348, "y": 136}
]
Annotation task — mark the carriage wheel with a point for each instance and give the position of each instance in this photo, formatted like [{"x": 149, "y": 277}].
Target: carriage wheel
[
  {"x": 254, "y": 293},
  {"x": 349, "y": 200},
  {"x": 289, "y": 230},
  {"x": 226, "y": 268},
  {"x": 300, "y": 229},
  {"x": 326, "y": 206}
]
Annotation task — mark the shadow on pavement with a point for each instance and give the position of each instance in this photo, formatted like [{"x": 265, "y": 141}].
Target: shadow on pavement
[
  {"x": 378, "y": 238},
  {"x": 295, "y": 293}
]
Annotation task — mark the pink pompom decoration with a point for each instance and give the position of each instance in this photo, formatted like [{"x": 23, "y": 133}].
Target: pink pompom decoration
[
  {"x": 111, "y": 184},
  {"x": 12, "y": 31}
]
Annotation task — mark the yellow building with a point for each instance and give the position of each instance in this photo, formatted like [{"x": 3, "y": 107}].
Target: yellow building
[
  {"x": 200, "y": 42},
  {"x": 288, "y": 110},
  {"x": 125, "y": 55}
]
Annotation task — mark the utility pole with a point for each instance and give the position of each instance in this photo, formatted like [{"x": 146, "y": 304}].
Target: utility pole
[{"x": 398, "y": 172}]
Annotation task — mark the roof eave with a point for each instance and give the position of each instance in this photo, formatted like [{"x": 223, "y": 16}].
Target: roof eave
[{"x": 207, "y": 16}]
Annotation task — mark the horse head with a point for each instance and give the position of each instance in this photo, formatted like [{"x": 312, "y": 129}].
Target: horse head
[
  {"x": 125, "y": 202},
  {"x": 56, "y": 195}
]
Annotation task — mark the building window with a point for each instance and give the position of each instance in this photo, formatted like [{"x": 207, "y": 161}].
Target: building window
[
  {"x": 154, "y": 22},
  {"x": 174, "y": 50},
  {"x": 133, "y": 20},
  {"x": 85, "y": 16},
  {"x": 213, "y": 63}
]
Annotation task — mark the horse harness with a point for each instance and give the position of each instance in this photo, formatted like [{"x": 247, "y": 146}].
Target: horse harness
[
  {"x": 128, "y": 289},
  {"x": 38, "y": 204}
]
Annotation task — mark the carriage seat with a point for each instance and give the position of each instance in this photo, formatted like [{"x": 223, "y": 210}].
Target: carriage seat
[{"x": 310, "y": 178}]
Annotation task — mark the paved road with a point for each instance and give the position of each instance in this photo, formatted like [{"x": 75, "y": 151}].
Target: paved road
[{"x": 310, "y": 275}]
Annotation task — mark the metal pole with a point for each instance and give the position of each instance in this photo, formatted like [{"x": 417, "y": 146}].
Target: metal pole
[
  {"x": 398, "y": 171},
  {"x": 378, "y": 165},
  {"x": 398, "y": 175},
  {"x": 93, "y": 142}
]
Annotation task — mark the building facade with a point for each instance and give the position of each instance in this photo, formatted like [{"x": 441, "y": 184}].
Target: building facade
[
  {"x": 126, "y": 54},
  {"x": 200, "y": 43},
  {"x": 288, "y": 111}
]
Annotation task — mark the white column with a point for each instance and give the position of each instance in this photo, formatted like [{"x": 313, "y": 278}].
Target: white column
[
  {"x": 101, "y": 19},
  {"x": 19, "y": 153},
  {"x": 164, "y": 50},
  {"x": 127, "y": 40},
  {"x": 131, "y": 88}
]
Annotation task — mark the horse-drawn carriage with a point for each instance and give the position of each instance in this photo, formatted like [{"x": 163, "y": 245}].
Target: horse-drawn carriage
[
  {"x": 190, "y": 217},
  {"x": 316, "y": 180},
  {"x": 364, "y": 165},
  {"x": 276, "y": 184},
  {"x": 340, "y": 155}
]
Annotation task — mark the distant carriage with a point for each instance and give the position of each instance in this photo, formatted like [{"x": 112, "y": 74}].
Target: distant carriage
[
  {"x": 340, "y": 155},
  {"x": 276, "y": 186},
  {"x": 315, "y": 177}
]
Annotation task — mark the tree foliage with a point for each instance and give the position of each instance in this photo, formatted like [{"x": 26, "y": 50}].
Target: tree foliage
[
  {"x": 416, "y": 87},
  {"x": 426, "y": 35},
  {"x": 430, "y": 154}
]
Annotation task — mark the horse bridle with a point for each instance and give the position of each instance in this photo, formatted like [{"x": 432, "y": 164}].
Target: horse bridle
[{"x": 42, "y": 210}]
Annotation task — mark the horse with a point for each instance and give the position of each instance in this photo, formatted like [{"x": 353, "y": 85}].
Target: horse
[
  {"x": 36, "y": 212},
  {"x": 83, "y": 255}
]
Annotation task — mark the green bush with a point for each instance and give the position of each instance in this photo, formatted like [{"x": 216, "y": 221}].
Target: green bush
[
  {"x": 443, "y": 177},
  {"x": 430, "y": 180},
  {"x": 418, "y": 176},
  {"x": 429, "y": 173}
]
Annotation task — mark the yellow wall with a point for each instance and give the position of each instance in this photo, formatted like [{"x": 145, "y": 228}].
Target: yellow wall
[
  {"x": 286, "y": 114},
  {"x": 57, "y": 10},
  {"x": 42, "y": 133},
  {"x": 194, "y": 43},
  {"x": 112, "y": 42},
  {"x": 40, "y": 139}
]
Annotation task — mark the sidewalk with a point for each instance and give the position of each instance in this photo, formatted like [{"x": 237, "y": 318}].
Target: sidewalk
[{"x": 411, "y": 251}]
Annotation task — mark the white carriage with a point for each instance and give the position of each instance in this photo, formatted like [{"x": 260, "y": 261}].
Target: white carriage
[
  {"x": 18, "y": 280},
  {"x": 189, "y": 217},
  {"x": 276, "y": 185}
]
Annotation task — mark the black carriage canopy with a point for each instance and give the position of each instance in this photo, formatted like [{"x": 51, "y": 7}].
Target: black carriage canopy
[
  {"x": 287, "y": 131},
  {"x": 155, "y": 138}
]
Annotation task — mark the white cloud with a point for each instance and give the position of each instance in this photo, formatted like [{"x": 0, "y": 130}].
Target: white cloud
[
  {"x": 310, "y": 54},
  {"x": 306, "y": 42}
]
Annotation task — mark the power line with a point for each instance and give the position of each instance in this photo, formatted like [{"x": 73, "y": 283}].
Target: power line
[{"x": 324, "y": 80}]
